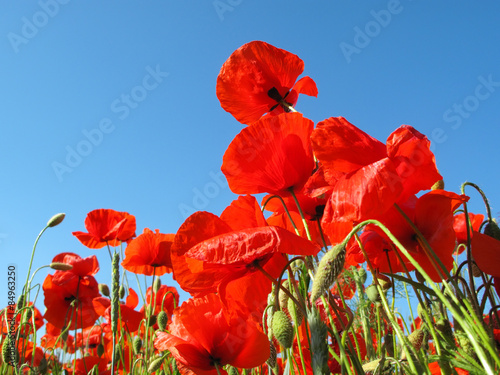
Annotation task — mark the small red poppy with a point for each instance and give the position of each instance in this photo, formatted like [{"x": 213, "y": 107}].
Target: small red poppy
[
  {"x": 259, "y": 78},
  {"x": 106, "y": 227}
]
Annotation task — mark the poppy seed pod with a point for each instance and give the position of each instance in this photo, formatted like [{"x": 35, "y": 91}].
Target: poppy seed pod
[
  {"x": 155, "y": 365},
  {"x": 156, "y": 285},
  {"x": 328, "y": 269},
  {"x": 372, "y": 293},
  {"x": 282, "y": 329}
]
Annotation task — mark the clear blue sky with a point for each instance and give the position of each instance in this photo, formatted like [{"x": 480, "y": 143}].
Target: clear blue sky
[{"x": 113, "y": 105}]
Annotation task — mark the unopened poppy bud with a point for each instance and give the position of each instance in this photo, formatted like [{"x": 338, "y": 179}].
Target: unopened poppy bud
[
  {"x": 371, "y": 366},
  {"x": 384, "y": 282},
  {"x": 282, "y": 329},
  {"x": 444, "y": 326},
  {"x": 156, "y": 285},
  {"x": 283, "y": 296},
  {"x": 60, "y": 266},
  {"x": 476, "y": 271},
  {"x": 20, "y": 302},
  {"x": 10, "y": 353},
  {"x": 155, "y": 364},
  {"x": 328, "y": 269},
  {"x": 491, "y": 229},
  {"x": 272, "y": 360},
  {"x": 162, "y": 320},
  {"x": 372, "y": 293},
  {"x": 152, "y": 320},
  {"x": 362, "y": 275},
  {"x": 417, "y": 338},
  {"x": 104, "y": 289},
  {"x": 100, "y": 349},
  {"x": 55, "y": 220},
  {"x": 42, "y": 367},
  {"x": 121, "y": 292},
  {"x": 137, "y": 344},
  {"x": 419, "y": 277},
  {"x": 438, "y": 185},
  {"x": 233, "y": 371}
]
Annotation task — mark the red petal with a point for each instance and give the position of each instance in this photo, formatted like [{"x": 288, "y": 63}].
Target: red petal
[
  {"x": 486, "y": 253},
  {"x": 244, "y": 213},
  {"x": 271, "y": 156},
  {"x": 306, "y": 86}
]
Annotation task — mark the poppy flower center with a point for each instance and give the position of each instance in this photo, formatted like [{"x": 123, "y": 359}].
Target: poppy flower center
[{"x": 274, "y": 94}]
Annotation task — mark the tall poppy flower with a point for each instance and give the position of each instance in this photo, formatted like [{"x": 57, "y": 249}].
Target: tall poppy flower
[
  {"x": 271, "y": 156},
  {"x": 259, "y": 78},
  {"x": 432, "y": 214},
  {"x": 149, "y": 253},
  {"x": 106, "y": 227},
  {"x": 204, "y": 335},
  {"x": 366, "y": 176}
]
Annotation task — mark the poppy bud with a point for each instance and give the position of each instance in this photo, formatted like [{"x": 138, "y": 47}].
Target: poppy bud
[
  {"x": 438, "y": 185},
  {"x": 162, "y": 320},
  {"x": 55, "y": 220},
  {"x": 137, "y": 344},
  {"x": 10, "y": 354},
  {"x": 371, "y": 366},
  {"x": 282, "y": 329},
  {"x": 60, "y": 266},
  {"x": 362, "y": 275},
  {"x": 272, "y": 361},
  {"x": 152, "y": 320},
  {"x": 20, "y": 302},
  {"x": 155, "y": 364},
  {"x": 444, "y": 326},
  {"x": 372, "y": 293},
  {"x": 328, "y": 269},
  {"x": 233, "y": 371},
  {"x": 283, "y": 297},
  {"x": 417, "y": 338},
  {"x": 476, "y": 271},
  {"x": 100, "y": 349},
  {"x": 42, "y": 367},
  {"x": 491, "y": 229},
  {"x": 104, "y": 289},
  {"x": 156, "y": 285},
  {"x": 465, "y": 343},
  {"x": 269, "y": 321},
  {"x": 121, "y": 292}
]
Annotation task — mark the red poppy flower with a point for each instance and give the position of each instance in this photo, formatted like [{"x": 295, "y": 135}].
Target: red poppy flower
[
  {"x": 106, "y": 227},
  {"x": 486, "y": 253},
  {"x": 149, "y": 253},
  {"x": 203, "y": 334},
  {"x": 52, "y": 339},
  {"x": 81, "y": 266},
  {"x": 69, "y": 295},
  {"x": 271, "y": 156},
  {"x": 210, "y": 253},
  {"x": 259, "y": 78},
  {"x": 366, "y": 176},
  {"x": 432, "y": 214},
  {"x": 460, "y": 226}
]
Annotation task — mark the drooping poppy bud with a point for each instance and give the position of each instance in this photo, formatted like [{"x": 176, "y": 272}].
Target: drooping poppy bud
[
  {"x": 328, "y": 269},
  {"x": 282, "y": 329}
]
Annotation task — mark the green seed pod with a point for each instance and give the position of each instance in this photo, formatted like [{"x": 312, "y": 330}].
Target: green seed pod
[
  {"x": 372, "y": 293},
  {"x": 155, "y": 365},
  {"x": 137, "y": 344},
  {"x": 282, "y": 329},
  {"x": 56, "y": 220},
  {"x": 60, "y": 266},
  {"x": 156, "y": 285},
  {"x": 162, "y": 320},
  {"x": 328, "y": 269},
  {"x": 491, "y": 229},
  {"x": 104, "y": 289}
]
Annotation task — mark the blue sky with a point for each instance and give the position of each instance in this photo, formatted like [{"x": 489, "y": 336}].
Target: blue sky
[{"x": 113, "y": 105}]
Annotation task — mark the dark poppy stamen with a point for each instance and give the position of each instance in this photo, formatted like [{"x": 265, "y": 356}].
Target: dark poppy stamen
[{"x": 274, "y": 94}]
